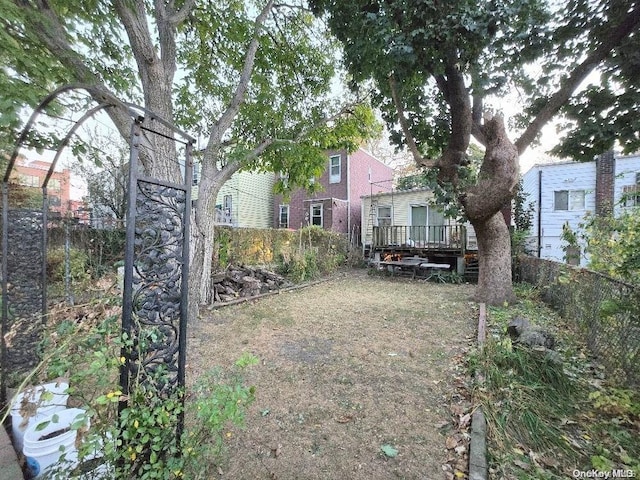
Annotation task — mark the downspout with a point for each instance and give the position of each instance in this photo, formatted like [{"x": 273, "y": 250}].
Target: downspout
[
  {"x": 539, "y": 213},
  {"x": 349, "y": 196}
]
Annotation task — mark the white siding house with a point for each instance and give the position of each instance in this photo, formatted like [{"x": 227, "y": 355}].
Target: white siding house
[
  {"x": 409, "y": 208},
  {"x": 566, "y": 192},
  {"x": 627, "y": 183}
]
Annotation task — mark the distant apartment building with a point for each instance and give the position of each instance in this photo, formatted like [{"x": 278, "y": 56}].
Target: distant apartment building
[{"x": 32, "y": 174}]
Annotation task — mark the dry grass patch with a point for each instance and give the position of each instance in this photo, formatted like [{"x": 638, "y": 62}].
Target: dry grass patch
[{"x": 354, "y": 377}]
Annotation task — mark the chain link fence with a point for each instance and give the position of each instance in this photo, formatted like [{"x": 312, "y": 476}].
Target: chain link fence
[{"x": 607, "y": 312}]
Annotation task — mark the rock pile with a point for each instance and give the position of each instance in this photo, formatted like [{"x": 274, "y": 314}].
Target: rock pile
[{"x": 243, "y": 281}]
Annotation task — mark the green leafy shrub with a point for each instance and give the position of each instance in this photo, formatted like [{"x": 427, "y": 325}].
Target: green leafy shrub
[
  {"x": 141, "y": 441},
  {"x": 612, "y": 245},
  {"x": 78, "y": 268}
]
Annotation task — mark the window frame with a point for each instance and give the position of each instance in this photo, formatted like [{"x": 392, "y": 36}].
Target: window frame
[
  {"x": 387, "y": 220},
  {"x": 283, "y": 208},
  {"x": 28, "y": 180},
  {"x": 571, "y": 198},
  {"x": 631, "y": 196},
  {"x": 335, "y": 177},
  {"x": 227, "y": 203},
  {"x": 312, "y": 216}
]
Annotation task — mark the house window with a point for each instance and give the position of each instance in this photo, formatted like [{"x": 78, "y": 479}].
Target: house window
[
  {"x": 54, "y": 184},
  {"x": 334, "y": 169},
  {"x": 315, "y": 214},
  {"x": 29, "y": 180},
  {"x": 384, "y": 216},
  {"x": 631, "y": 195},
  {"x": 568, "y": 200},
  {"x": 227, "y": 208},
  {"x": 283, "y": 221},
  {"x": 54, "y": 201}
]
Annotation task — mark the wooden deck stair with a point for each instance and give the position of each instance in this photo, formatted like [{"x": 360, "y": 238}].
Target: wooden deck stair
[{"x": 471, "y": 268}]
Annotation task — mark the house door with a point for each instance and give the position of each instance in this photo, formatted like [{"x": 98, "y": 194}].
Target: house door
[
  {"x": 316, "y": 215},
  {"x": 418, "y": 229},
  {"x": 435, "y": 221}
]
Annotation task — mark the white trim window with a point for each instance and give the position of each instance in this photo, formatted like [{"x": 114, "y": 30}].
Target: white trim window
[
  {"x": 283, "y": 218},
  {"x": 316, "y": 214},
  {"x": 335, "y": 168},
  {"x": 631, "y": 195},
  {"x": 384, "y": 215},
  {"x": 570, "y": 200}
]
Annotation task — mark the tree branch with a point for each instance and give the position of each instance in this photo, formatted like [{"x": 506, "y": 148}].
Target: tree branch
[
  {"x": 135, "y": 24},
  {"x": 226, "y": 119},
  {"x": 476, "y": 117},
  {"x": 181, "y": 15},
  {"x": 402, "y": 120},
  {"x": 50, "y": 30},
  {"x": 575, "y": 78},
  {"x": 166, "y": 33}
]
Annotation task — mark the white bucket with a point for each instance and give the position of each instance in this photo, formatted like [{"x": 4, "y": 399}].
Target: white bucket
[
  {"x": 30, "y": 407},
  {"x": 94, "y": 466},
  {"x": 41, "y": 454}
]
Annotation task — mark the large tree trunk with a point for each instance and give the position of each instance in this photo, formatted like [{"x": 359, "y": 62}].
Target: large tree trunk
[
  {"x": 494, "y": 260},
  {"x": 483, "y": 203},
  {"x": 202, "y": 233}
]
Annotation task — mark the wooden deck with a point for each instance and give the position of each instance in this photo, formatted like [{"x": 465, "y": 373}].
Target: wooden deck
[
  {"x": 402, "y": 248},
  {"x": 442, "y": 237}
]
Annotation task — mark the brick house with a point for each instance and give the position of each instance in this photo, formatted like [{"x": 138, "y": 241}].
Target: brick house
[
  {"x": 337, "y": 206},
  {"x": 31, "y": 174}
]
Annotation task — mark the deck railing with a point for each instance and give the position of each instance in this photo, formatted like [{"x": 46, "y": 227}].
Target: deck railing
[{"x": 439, "y": 236}]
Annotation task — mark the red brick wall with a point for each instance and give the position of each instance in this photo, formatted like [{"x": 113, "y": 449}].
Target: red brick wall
[
  {"x": 361, "y": 163},
  {"x": 605, "y": 180},
  {"x": 354, "y": 182},
  {"x": 39, "y": 169}
]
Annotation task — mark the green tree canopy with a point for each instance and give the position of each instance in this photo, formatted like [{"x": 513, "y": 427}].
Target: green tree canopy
[
  {"x": 435, "y": 67},
  {"x": 252, "y": 79}
]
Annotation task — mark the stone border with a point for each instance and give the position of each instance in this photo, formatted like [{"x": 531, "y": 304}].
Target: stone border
[
  {"x": 478, "y": 468},
  {"x": 9, "y": 465}
]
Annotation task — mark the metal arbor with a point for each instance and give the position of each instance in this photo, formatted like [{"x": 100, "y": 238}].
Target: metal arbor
[{"x": 155, "y": 300}]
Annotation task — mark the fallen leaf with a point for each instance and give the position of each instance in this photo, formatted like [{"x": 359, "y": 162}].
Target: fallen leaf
[
  {"x": 521, "y": 464},
  {"x": 344, "y": 419},
  {"x": 389, "y": 451},
  {"x": 276, "y": 451},
  {"x": 550, "y": 462},
  {"x": 451, "y": 442},
  {"x": 465, "y": 420}
]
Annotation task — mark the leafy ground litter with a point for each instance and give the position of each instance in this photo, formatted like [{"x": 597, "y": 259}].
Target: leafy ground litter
[{"x": 356, "y": 379}]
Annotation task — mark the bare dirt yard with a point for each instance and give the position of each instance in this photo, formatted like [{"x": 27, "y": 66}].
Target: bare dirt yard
[{"x": 348, "y": 368}]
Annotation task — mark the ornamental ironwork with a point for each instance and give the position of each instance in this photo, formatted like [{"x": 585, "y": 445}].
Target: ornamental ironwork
[
  {"x": 155, "y": 294},
  {"x": 22, "y": 288}
]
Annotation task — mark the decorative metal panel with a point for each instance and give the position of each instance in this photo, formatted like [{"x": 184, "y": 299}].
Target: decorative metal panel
[
  {"x": 24, "y": 288},
  {"x": 159, "y": 256}
]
